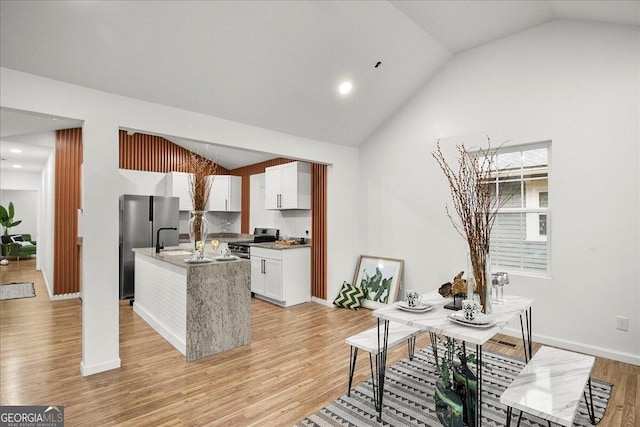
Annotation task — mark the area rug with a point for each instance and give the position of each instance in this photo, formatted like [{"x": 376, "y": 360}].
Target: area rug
[
  {"x": 17, "y": 290},
  {"x": 409, "y": 396}
]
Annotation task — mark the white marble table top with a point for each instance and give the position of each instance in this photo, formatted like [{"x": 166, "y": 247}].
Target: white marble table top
[
  {"x": 368, "y": 340},
  {"x": 551, "y": 385},
  {"x": 436, "y": 320}
]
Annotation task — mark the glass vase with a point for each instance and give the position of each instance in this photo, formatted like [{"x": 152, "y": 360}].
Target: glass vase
[
  {"x": 488, "y": 285},
  {"x": 470, "y": 278},
  {"x": 198, "y": 227}
]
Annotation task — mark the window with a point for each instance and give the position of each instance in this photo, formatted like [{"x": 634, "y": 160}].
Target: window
[{"x": 520, "y": 235}]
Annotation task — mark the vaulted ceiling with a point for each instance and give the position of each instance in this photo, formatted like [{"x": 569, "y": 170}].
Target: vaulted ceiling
[{"x": 271, "y": 64}]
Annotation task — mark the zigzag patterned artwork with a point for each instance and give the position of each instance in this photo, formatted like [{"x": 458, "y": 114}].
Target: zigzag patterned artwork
[{"x": 409, "y": 397}]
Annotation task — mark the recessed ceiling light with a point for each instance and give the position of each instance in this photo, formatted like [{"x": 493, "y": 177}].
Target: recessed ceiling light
[
  {"x": 345, "y": 87},
  {"x": 16, "y": 150},
  {"x": 16, "y": 166}
]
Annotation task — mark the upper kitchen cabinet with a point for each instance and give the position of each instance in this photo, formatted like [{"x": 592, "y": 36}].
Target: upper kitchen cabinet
[
  {"x": 225, "y": 193},
  {"x": 288, "y": 186},
  {"x": 178, "y": 186}
]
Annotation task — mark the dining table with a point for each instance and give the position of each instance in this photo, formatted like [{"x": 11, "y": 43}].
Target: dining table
[{"x": 438, "y": 322}]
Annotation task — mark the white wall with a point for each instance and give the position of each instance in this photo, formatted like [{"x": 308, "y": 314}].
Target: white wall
[
  {"x": 45, "y": 237},
  {"x": 576, "y": 84},
  {"x": 16, "y": 180},
  {"x": 291, "y": 223},
  {"x": 142, "y": 183},
  {"x": 103, "y": 114}
]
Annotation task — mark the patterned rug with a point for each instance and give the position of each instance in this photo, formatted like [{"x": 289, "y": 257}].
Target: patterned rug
[
  {"x": 409, "y": 396},
  {"x": 17, "y": 290}
]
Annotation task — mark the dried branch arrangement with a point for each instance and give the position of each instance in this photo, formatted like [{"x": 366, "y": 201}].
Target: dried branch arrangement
[
  {"x": 475, "y": 205},
  {"x": 199, "y": 185}
]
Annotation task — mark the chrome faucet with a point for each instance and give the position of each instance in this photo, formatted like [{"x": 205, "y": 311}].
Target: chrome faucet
[{"x": 158, "y": 245}]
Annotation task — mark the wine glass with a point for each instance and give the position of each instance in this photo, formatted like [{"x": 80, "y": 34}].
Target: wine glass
[
  {"x": 215, "y": 245},
  {"x": 499, "y": 280},
  {"x": 199, "y": 249}
]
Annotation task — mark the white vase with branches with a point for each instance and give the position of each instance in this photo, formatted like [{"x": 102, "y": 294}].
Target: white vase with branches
[
  {"x": 200, "y": 171},
  {"x": 476, "y": 209}
]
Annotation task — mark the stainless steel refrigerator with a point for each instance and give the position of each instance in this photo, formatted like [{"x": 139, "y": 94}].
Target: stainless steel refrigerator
[{"x": 140, "y": 219}]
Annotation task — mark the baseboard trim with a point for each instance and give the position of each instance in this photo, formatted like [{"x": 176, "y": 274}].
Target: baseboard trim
[
  {"x": 64, "y": 296},
  {"x": 632, "y": 359},
  {"x": 46, "y": 285},
  {"x": 101, "y": 367},
  {"x": 165, "y": 333},
  {"x": 322, "y": 302}
]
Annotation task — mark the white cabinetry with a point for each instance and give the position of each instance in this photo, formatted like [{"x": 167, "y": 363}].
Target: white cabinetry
[
  {"x": 225, "y": 193},
  {"x": 178, "y": 186},
  {"x": 288, "y": 186},
  {"x": 281, "y": 276}
]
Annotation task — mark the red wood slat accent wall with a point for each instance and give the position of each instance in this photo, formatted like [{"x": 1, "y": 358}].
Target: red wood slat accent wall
[
  {"x": 319, "y": 231},
  {"x": 154, "y": 154},
  {"x": 66, "y": 253}
]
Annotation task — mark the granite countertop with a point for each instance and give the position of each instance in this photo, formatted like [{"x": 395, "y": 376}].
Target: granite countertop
[
  {"x": 222, "y": 237},
  {"x": 276, "y": 246},
  {"x": 176, "y": 255}
]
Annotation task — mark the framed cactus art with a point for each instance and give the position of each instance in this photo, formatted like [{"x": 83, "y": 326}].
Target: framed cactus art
[{"x": 379, "y": 278}]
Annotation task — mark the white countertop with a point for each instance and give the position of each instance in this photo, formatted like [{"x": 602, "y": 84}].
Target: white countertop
[{"x": 175, "y": 255}]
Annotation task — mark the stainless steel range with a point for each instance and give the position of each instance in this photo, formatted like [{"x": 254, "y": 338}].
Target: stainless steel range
[{"x": 242, "y": 249}]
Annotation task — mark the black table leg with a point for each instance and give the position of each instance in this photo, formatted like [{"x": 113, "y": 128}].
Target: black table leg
[
  {"x": 434, "y": 345},
  {"x": 592, "y": 415},
  {"x": 478, "y": 385},
  {"x": 381, "y": 363},
  {"x": 526, "y": 336}
]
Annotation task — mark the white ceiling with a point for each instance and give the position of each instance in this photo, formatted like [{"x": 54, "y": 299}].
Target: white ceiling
[
  {"x": 272, "y": 64},
  {"x": 31, "y": 134}
]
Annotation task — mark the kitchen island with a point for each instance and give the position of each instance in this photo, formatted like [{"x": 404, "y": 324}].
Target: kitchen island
[{"x": 201, "y": 309}]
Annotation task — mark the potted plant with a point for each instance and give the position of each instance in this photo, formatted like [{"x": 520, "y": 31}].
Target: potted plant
[
  {"x": 449, "y": 406},
  {"x": 456, "y": 390},
  {"x": 6, "y": 219},
  {"x": 465, "y": 384}
]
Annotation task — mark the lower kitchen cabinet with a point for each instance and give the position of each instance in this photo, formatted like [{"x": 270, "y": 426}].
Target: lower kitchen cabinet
[{"x": 281, "y": 276}]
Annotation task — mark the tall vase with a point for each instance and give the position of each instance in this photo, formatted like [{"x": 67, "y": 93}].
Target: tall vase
[
  {"x": 470, "y": 278},
  {"x": 198, "y": 227},
  {"x": 480, "y": 276},
  {"x": 488, "y": 285}
]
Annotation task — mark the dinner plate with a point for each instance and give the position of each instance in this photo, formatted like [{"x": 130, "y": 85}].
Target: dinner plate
[
  {"x": 402, "y": 305},
  {"x": 465, "y": 322},
  {"x": 226, "y": 258},
  {"x": 197, "y": 261},
  {"x": 480, "y": 319}
]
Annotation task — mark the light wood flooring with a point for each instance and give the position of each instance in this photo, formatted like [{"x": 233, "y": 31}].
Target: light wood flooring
[{"x": 296, "y": 364}]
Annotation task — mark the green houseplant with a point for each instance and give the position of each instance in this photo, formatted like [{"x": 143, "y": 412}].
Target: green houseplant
[
  {"x": 455, "y": 393},
  {"x": 6, "y": 218}
]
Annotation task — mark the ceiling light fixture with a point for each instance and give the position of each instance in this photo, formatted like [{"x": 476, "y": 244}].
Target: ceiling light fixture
[
  {"x": 345, "y": 87},
  {"x": 17, "y": 166},
  {"x": 16, "y": 150}
]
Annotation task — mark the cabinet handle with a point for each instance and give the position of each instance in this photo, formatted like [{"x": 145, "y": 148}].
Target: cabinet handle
[
  {"x": 225, "y": 204},
  {"x": 264, "y": 267}
]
